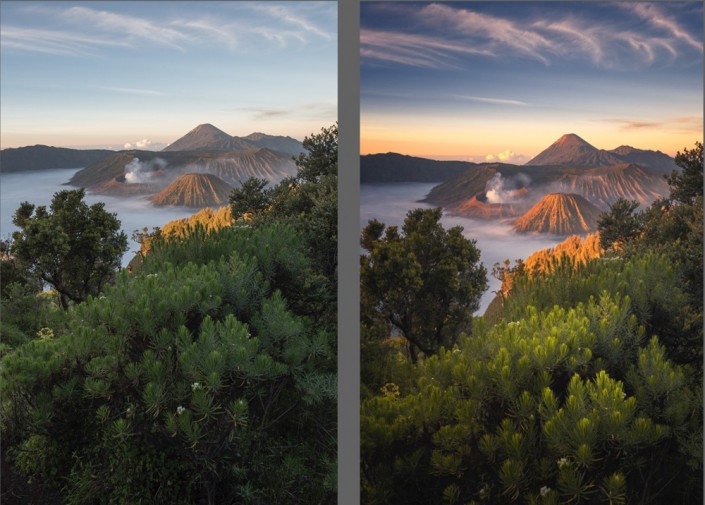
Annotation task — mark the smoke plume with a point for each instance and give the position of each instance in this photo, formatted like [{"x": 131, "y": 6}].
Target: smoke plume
[
  {"x": 501, "y": 190},
  {"x": 138, "y": 171}
]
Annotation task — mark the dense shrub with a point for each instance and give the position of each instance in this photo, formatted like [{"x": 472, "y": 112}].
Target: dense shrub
[
  {"x": 562, "y": 405},
  {"x": 195, "y": 381}
]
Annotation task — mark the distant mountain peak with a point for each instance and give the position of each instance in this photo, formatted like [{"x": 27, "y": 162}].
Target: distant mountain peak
[
  {"x": 570, "y": 149},
  {"x": 571, "y": 139},
  {"x": 206, "y": 137}
]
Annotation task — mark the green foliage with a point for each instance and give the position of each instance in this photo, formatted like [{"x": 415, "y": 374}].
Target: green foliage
[
  {"x": 425, "y": 283},
  {"x": 619, "y": 225},
  {"x": 198, "y": 380},
  {"x": 72, "y": 247},
  {"x": 584, "y": 386},
  {"x": 561, "y": 405},
  {"x": 321, "y": 158},
  {"x": 308, "y": 202},
  {"x": 251, "y": 197},
  {"x": 687, "y": 185}
]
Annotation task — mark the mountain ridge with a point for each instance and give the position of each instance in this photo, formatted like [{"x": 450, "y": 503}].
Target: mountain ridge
[
  {"x": 206, "y": 137},
  {"x": 43, "y": 157},
  {"x": 570, "y": 149}
]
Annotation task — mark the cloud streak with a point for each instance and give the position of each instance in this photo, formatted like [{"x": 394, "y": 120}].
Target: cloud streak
[
  {"x": 53, "y": 42},
  {"x": 444, "y": 33},
  {"x": 416, "y": 50},
  {"x": 81, "y": 31},
  {"x": 134, "y": 91},
  {"x": 682, "y": 123},
  {"x": 494, "y": 101}
]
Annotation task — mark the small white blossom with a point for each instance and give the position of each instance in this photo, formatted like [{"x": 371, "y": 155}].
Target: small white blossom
[
  {"x": 562, "y": 462},
  {"x": 545, "y": 490},
  {"x": 180, "y": 410},
  {"x": 196, "y": 386}
]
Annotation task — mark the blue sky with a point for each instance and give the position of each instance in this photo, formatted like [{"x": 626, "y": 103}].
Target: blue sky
[
  {"x": 503, "y": 80},
  {"x": 111, "y": 74}
]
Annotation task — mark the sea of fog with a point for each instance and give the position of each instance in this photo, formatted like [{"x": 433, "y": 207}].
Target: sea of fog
[
  {"x": 496, "y": 240},
  {"x": 38, "y": 187}
]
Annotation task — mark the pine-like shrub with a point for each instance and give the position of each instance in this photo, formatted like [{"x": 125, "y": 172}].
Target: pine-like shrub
[
  {"x": 562, "y": 405},
  {"x": 195, "y": 381}
]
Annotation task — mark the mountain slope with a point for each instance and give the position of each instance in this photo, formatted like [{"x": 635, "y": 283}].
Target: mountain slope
[
  {"x": 655, "y": 162},
  {"x": 605, "y": 185},
  {"x": 41, "y": 157},
  {"x": 153, "y": 171},
  {"x": 559, "y": 214},
  {"x": 393, "y": 167},
  {"x": 287, "y": 145},
  {"x": 194, "y": 190},
  {"x": 572, "y": 150},
  {"x": 206, "y": 137}
]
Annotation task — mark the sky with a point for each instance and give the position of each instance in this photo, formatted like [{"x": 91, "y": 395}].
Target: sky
[
  {"x": 501, "y": 81},
  {"x": 142, "y": 74}
]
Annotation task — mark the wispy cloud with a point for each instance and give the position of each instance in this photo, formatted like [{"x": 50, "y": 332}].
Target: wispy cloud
[
  {"x": 130, "y": 27},
  {"x": 83, "y": 31},
  {"x": 410, "y": 49},
  {"x": 314, "y": 110},
  {"x": 655, "y": 16},
  {"x": 133, "y": 91},
  {"x": 293, "y": 18},
  {"x": 443, "y": 33},
  {"x": 493, "y": 31},
  {"x": 495, "y": 101},
  {"x": 52, "y": 42},
  {"x": 686, "y": 123}
]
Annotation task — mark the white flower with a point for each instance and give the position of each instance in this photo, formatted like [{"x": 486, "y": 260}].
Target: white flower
[
  {"x": 562, "y": 462},
  {"x": 196, "y": 386},
  {"x": 180, "y": 410},
  {"x": 545, "y": 490}
]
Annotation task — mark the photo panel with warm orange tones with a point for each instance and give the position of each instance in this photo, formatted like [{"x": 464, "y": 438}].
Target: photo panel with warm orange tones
[{"x": 531, "y": 202}]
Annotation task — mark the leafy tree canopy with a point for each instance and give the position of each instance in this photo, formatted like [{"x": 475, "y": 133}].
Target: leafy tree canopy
[
  {"x": 688, "y": 184},
  {"x": 426, "y": 282},
  {"x": 74, "y": 247}
]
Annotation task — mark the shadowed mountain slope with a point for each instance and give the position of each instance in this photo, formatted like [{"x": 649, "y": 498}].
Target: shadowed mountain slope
[
  {"x": 393, "y": 167},
  {"x": 40, "y": 157}
]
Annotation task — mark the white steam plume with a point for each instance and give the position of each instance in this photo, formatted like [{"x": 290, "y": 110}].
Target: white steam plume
[
  {"x": 501, "y": 190},
  {"x": 138, "y": 171}
]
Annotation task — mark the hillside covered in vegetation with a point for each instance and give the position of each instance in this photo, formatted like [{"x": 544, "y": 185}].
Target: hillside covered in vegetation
[
  {"x": 582, "y": 383},
  {"x": 206, "y": 375}
]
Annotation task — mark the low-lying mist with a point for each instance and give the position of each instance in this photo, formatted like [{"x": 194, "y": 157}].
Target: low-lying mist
[
  {"x": 496, "y": 240},
  {"x": 38, "y": 187}
]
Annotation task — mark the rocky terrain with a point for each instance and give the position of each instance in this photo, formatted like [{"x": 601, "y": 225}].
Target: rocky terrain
[
  {"x": 559, "y": 214},
  {"x": 595, "y": 179},
  {"x": 194, "y": 190}
]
